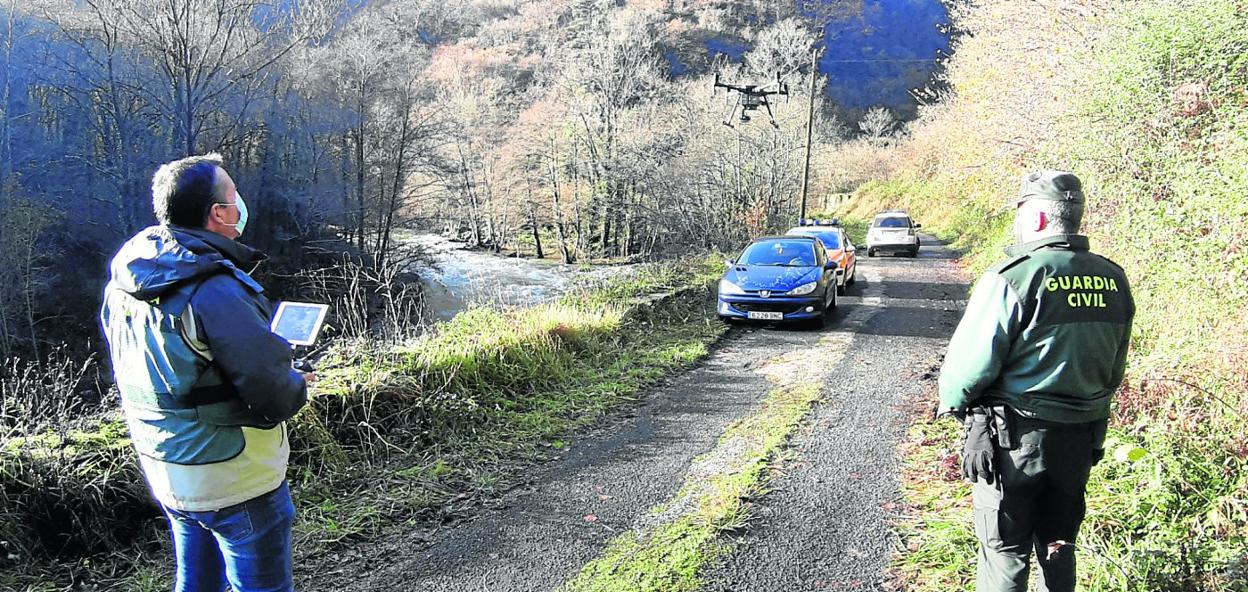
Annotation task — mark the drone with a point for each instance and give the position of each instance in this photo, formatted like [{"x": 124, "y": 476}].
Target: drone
[{"x": 751, "y": 97}]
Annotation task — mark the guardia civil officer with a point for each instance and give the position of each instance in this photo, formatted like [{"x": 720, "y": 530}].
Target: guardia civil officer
[
  {"x": 1031, "y": 370},
  {"x": 205, "y": 385}
]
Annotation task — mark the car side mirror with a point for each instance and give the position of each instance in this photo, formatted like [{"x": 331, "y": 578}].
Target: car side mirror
[
  {"x": 829, "y": 264},
  {"x": 918, "y": 226}
]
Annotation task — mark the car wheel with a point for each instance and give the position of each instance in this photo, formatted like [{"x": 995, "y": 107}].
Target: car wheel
[
  {"x": 914, "y": 252},
  {"x": 840, "y": 288},
  {"x": 870, "y": 252},
  {"x": 725, "y": 320}
]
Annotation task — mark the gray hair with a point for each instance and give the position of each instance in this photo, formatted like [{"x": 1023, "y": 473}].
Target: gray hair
[
  {"x": 1065, "y": 217},
  {"x": 185, "y": 189}
]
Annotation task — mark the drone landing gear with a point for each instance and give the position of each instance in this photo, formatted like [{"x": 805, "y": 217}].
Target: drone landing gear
[
  {"x": 745, "y": 113},
  {"x": 751, "y": 97}
]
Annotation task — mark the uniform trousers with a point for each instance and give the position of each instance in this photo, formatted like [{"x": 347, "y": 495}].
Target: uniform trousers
[{"x": 1037, "y": 500}]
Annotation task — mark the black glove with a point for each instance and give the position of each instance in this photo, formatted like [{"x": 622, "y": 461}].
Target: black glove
[{"x": 978, "y": 449}]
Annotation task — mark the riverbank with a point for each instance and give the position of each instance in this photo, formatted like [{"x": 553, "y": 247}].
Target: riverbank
[{"x": 395, "y": 432}]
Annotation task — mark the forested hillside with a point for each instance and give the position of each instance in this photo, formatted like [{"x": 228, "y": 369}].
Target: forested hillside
[
  {"x": 573, "y": 128},
  {"x": 1148, "y": 104}
]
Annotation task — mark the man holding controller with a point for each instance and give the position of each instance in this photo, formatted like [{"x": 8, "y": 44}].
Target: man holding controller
[{"x": 205, "y": 384}]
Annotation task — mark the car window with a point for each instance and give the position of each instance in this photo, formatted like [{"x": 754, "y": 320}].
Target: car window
[
  {"x": 892, "y": 222},
  {"x": 792, "y": 253},
  {"x": 830, "y": 238}
]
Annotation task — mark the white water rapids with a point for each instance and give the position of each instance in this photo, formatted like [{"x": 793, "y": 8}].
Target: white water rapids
[{"x": 462, "y": 278}]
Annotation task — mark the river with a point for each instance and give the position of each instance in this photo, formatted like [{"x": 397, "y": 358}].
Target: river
[{"x": 460, "y": 278}]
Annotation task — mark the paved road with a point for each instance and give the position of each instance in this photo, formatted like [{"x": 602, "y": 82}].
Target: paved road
[{"x": 823, "y": 526}]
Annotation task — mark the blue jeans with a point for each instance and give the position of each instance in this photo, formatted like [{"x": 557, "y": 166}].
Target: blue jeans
[{"x": 245, "y": 545}]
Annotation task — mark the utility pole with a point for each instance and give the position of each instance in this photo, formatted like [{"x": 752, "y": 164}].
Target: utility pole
[{"x": 810, "y": 124}]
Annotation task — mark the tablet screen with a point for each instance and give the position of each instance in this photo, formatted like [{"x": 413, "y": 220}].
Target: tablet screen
[{"x": 299, "y": 322}]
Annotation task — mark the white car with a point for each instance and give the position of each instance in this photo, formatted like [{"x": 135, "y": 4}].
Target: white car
[{"x": 893, "y": 232}]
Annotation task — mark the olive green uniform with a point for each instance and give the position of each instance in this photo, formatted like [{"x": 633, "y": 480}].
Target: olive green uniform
[{"x": 1045, "y": 333}]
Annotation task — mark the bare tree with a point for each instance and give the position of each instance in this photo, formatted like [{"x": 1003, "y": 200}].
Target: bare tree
[
  {"x": 616, "y": 68},
  {"x": 211, "y": 57},
  {"x": 371, "y": 74},
  {"x": 877, "y": 124},
  {"x": 781, "y": 48},
  {"x": 23, "y": 263}
]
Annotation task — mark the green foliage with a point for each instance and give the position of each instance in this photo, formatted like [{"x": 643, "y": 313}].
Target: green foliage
[
  {"x": 72, "y": 494},
  {"x": 1154, "y": 120},
  {"x": 937, "y": 529}
]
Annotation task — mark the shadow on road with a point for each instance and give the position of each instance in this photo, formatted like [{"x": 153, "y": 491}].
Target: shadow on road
[
  {"x": 902, "y": 321},
  {"x": 906, "y": 290}
]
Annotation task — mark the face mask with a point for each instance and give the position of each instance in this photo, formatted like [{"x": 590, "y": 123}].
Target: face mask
[{"x": 242, "y": 213}]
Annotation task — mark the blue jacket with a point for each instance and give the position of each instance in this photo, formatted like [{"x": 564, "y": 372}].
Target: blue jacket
[{"x": 205, "y": 385}]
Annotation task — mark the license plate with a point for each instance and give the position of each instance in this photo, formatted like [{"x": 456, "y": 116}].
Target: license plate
[{"x": 765, "y": 316}]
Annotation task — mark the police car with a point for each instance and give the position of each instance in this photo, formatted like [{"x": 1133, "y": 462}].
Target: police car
[
  {"x": 838, "y": 245},
  {"x": 893, "y": 231},
  {"x": 779, "y": 278}
]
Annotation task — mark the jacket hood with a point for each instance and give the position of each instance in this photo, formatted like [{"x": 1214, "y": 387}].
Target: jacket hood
[
  {"x": 771, "y": 277},
  {"x": 159, "y": 258}
]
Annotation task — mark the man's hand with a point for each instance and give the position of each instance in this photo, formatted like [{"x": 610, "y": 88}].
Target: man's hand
[
  {"x": 309, "y": 378},
  {"x": 978, "y": 450}
]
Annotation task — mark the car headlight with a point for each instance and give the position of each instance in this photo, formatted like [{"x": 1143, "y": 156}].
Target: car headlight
[
  {"x": 727, "y": 287},
  {"x": 803, "y": 289}
]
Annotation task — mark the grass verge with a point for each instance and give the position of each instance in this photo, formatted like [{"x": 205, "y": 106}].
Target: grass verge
[
  {"x": 681, "y": 535},
  {"x": 670, "y": 547}
]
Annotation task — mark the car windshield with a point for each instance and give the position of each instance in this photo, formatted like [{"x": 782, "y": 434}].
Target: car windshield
[
  {"x": 830, "y": 238},
  {"x": 892, "y": 222},
  {"x": 787, "y": 253}
]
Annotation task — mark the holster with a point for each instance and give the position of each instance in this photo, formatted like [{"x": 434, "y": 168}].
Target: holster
[{"x": 1004, "y": 426}]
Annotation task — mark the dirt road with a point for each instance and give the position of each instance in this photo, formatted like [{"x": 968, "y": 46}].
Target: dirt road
[{"x": 824, "y": 523}]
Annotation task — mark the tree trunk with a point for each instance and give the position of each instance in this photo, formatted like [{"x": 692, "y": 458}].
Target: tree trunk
[
  {"x": 605, "y": 235},
  {"x": 626, "y": 246},
  {"x": 397, "y": 186},
  {"x": 344, "y": 160},
  {"x": 359, "y": 183},
  {"x": 564, "y": 248},
  {"x": 537, "y": 231},
  {"x": 474, "y": 208}
]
